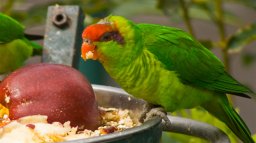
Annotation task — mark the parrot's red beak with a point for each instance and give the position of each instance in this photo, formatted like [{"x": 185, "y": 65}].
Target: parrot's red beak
[{"x": 88, "y": 51}]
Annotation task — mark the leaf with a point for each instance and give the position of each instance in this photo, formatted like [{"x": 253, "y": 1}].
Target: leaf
[
  {"x": 37, "y": 49},
  {"x": 241, "y": 38},
  {"x": 13, "y": 55},
  {"x": 247, "y": 3},
  {"x": 248, "y": 58},
  {"x": 168, "y": 6},
  {"x": 207, "y": 44},
  {"x": 10, "y": 29},
  {"x": 134, "y": 7},
  {"x": 37, "y": 14},
  {"x": 254, "y": 137},
  {"x": 206, "y": 10},
  {"x": 198, "y": 9}
]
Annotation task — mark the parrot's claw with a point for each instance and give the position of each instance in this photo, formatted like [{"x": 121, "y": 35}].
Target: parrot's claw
[{"x": 157, "y": 111}]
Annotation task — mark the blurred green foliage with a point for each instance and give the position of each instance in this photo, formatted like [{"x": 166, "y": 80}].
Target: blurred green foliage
[
  {"x": 213, "y": 11},
  {"x": 242, "y": 37},
  {"x": 95, "y": 9},
  {"x": 15, "y": 47},
  {"x": 34, "y": 15},
  {"x": 221, "y": 17}
]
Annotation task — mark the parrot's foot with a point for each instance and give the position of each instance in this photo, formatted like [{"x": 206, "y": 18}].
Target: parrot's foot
[{"x": 157, "y": 111}]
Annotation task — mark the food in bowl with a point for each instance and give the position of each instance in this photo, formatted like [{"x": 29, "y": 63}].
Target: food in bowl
[{"x": 36, "y": 129}]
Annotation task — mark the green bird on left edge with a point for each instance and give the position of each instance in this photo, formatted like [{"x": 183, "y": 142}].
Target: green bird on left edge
[
  {"x": 14, "y": 47},
  {"x": 165, "y": 66}
]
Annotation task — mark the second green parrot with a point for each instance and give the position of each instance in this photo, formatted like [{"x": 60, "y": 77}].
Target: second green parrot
[
  {"x": 14, "y": 47},
  {"x": 165, "y": 66}
]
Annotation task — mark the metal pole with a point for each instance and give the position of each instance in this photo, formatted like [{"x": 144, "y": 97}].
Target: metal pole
[{"x": 195, "y": 128}]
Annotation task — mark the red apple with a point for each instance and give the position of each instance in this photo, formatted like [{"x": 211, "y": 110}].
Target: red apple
[{"x": 60, "y": 92}]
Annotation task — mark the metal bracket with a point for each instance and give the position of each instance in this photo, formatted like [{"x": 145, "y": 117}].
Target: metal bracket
[{"x": 64, "y": 26}]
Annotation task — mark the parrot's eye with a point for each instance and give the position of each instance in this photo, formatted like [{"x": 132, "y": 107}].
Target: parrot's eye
[
  {"x": 87, "y": 41},
  {"x": 108, "y": 36}
]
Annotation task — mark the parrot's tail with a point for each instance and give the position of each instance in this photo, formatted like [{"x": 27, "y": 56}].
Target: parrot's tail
[{"x": 222, "y": 109}]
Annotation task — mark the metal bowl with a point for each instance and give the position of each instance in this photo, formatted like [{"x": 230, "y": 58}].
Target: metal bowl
[{"x": 148, "y": 132}]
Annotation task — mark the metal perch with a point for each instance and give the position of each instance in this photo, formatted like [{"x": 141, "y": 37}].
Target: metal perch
[{"x": 195, "y": 128}]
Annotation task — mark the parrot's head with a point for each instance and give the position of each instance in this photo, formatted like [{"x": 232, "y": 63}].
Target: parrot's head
[{"x": 112, "y": 39}]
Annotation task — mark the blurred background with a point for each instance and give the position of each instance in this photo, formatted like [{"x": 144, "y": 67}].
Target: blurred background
[{"x": 227, "y": 27}]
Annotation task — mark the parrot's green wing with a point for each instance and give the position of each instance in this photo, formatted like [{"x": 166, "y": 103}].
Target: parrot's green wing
[
  {"x": 194, "y": 64},
  {"x": 10, "y": 29}
]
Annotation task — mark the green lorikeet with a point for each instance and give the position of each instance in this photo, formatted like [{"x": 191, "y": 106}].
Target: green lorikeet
[
  {"x": 14, "y": 47},
  {"x": 165, "y": 66}
]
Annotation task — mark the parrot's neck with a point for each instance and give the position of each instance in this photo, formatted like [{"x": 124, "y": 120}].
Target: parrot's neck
[{"x": 132, "y": 75}]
